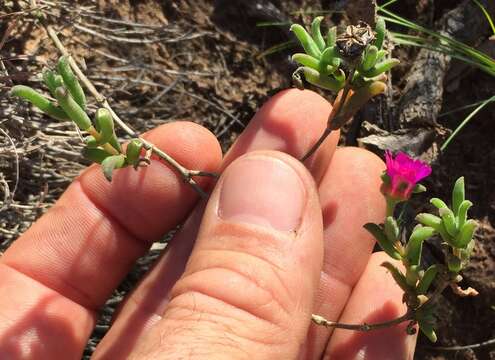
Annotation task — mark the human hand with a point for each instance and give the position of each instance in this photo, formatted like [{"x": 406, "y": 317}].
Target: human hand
[{"x": 243, "y": 275}]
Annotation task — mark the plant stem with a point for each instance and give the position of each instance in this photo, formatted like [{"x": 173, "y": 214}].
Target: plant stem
[
  {"x": 317, "y": 144},
  {"x": 319, "y": 320},
  {"x": 333, "y": 117},
  {"x": 186, "y": 174},
  {"x": 409, "y": 315},
  {"x": 108, "y": 148}
]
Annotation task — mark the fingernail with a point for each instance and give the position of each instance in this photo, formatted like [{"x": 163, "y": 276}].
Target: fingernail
[{"x": 262, "y": 191}]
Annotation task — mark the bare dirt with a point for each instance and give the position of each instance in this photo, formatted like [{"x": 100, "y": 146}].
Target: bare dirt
[{"x": 161, "y": 61}]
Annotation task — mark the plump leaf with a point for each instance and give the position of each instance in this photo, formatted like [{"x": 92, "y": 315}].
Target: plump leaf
[
  {"x": 52, "y": 81},
  {"x": 427, "y": 279},
  {"x": 95, "y": 154},
  {"x": 380, "y": 31},
  {"x": 332, "y": 36},
  {"x": 429, "y": 220},
  {"x": 369, "y": 59},
  {"x": 324, "y": 81},
  {"x": 466, "y": 234},
  {"x": 449, "y": 221},
  {"x": 316, "y": 32},
  {"x": 71, "y": 82},
  {"x": 111, "y": 163},
  {"x": 391, "y": 229},
  {"x": 330, "y": 57},
  {"x": 398, "y": 276},
  {"x": 415, "y": 244},
  {"x": 419, "y": 188},
  {"x": 40, "y": 101},
  {"x": 75, "y": 112},
  {"x": 306, "y": 60},
  {"x": 382, "y": 240},
  {"x": 133, "y": 151},
  {"x": 439, "y": 204},
  {"x": 428, "y": 330},
  {"x": 306, "y": 41},
  {"x": 462, "y": 213},
  {"x": 458, "y": 195},
  {"x": 104, "y": 125},
  {"x": 381, "y": 67}
]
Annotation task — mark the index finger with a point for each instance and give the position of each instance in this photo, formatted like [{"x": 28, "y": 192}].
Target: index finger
[{"x": 78, "y": 252}]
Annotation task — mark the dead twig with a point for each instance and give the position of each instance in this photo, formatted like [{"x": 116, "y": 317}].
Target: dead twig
[
  {"x": 186, "y": 174},
  {"x": 465, "y": 347},
  {"x": 9, "y": 195}
]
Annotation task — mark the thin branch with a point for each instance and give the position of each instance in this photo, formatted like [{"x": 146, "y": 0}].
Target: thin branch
[
  {"x": 465, "y": 347},
  {"x": 408, "y": 316},
  {"x": 333, "y": 117},
  {"x": 319, "y": 320},
  {"x": 9, "y": 198},
  {"x": 315, "y": 147},
  {"x": 187, "y": 175}
]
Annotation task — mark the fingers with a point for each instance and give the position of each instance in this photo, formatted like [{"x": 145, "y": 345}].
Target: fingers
[
  {"x": 350, "y": 197},
  {"x": 278, "y": 125},
  {"x": 80, "y": 250},
  {"x": 376, "y": 298},
  {"x": 248, "y": 287}
]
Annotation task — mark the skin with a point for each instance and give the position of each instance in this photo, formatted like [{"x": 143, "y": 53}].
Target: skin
[{"x": 276, "y": 241}]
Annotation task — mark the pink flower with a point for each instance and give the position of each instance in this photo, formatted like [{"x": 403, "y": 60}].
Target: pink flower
[{"x": 404, "y": 173}]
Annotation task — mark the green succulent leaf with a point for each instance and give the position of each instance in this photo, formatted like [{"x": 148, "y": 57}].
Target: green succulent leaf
[
  {"x": 381, "y": 67},
  {"x": 104, "y": 125},
  {"x": 114, "y": 141},
  {"x": 466, "y": 234},
  {"x": 398, "y": 276},
  {"x": 40, "y": 101},
  {"x": 133, "y": 152},
  {"x": 428, "y": 330},
  {"x": 419, "y": 188},
  {"x": 110, "y": 163},
  {"x": 426, "y": 320},
  {"x": 391, "y": 229},
  {"x": 324, "y": 81},
  {"x": 462, "y": 213},
  {"x": 330, "y": 57},
  {"x": 332, "y": 36},
  {"x": 306, "y": 60},
  {"x": 439, "y": 204},
  {"x": 369, "y": 59},
  {"x": 52, "y": 81},
  {"x": 458, "y": 195},
  {"x": 72, "y": 108},
  {"x": 381, "y": 55},
  {"x": 429, "y": 220},
  {"x": 316, "y": 32},
  {"x": 415, "y": 244},
  {"x": 95, "y": 154},
  {"x": 383, "y": 241},
  {"x": 380, "y": 30},
  {"x": 427, "y": 279},
  {"x": 306, "y": 41},
  {"x": 71, "y": 82},
  {"x": 412, "y": 275},
  {"x": 465, "y": 253},
  {"x": 449, "y": 221}
]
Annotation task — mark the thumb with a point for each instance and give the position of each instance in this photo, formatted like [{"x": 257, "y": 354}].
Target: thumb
[{"x": 249, "y": 286}]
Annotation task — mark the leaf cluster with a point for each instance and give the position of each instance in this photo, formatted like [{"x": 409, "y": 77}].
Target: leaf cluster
[
  {"x": 328, "y": 62},
  {"x": 456, "y": 231},
  {"x": 102, "y": 144}
]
